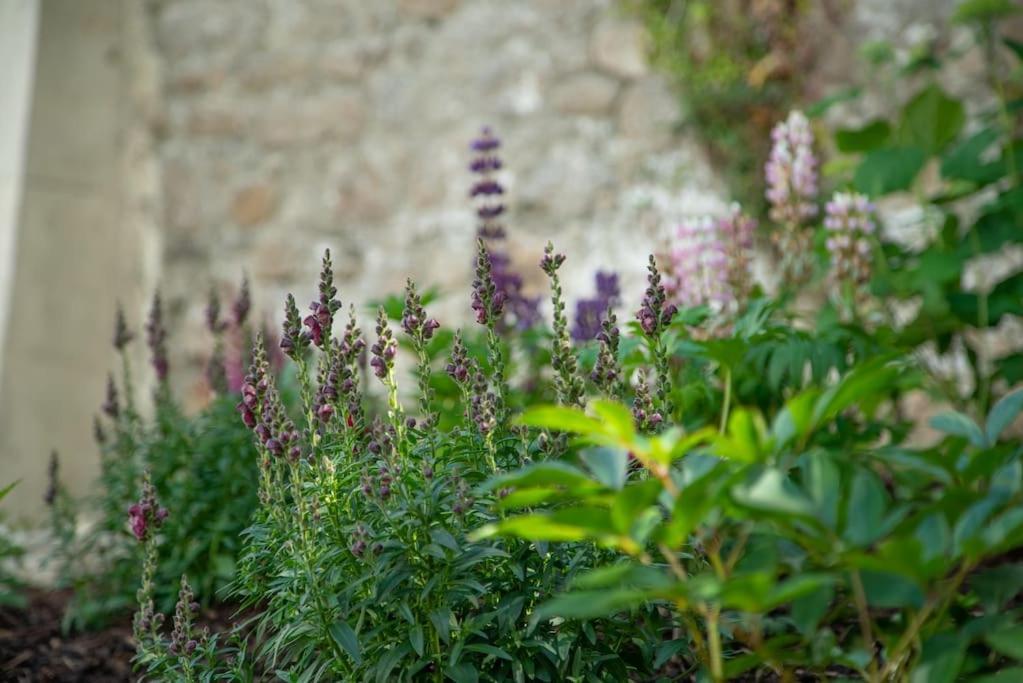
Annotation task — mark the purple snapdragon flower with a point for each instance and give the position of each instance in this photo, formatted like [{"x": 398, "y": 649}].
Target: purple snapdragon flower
[
  {"x": 590, "y": 313},
  {"x": 156, "y": 339},
  {"x": 146, "y": 515}
]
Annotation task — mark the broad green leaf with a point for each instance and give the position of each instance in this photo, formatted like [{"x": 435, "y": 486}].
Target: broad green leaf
[
  {"x": 1008, "y": 642},
  {"x": 931, "y": 120},
  {"x": 823, "y": 483},
  {"x": 809, "y": 609},
  {"x": 1003, "y": 413},
  {"x": 870, "y": 136},
  {"x": 866, "y": 507},
  {"x": 775, "y": 493},
  {"x": 1004, "y": 530},
  {"x": 1010, "y": 675},
  {"x": 591, "y": 604},
  {"x": 968, "y": 160},
  {"x": 984, "y": 10},
  {"x": 887, "y": 591},
  {"x": 344, "y": 636},
  {"x": 966, "y": 536},
  {"x": 415, "y": 638},
  {"x": 865, "y": 386},
  {"x": 616, "y": 418},
  {"x": 997, "y": 585},
  {"x": 463, "y": 672},
  {"x": 623, "y": 575},
  {"x": 551, "y": 473},
  {"x": 795, "y": 420},
  {"x": 891, "y": 169},
  {"x": 934, "y": 536},
  {"x": 692, "y": 506},
  {"x": 940, "y": 660},
  {"x": 569, "y": 524},
  {"x": 746, "y": 438},
  {"x": 609, "y": 465},
  {"x": 957, "y": 424},
  {"x": 632, "y": 503},
  {"x": 560, "y": 418}
]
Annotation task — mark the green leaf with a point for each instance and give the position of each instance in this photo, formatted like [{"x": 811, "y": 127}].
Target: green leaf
[
  {"x": 488, "y": 650},
  {"x": 1008, "y": 642},
  {"x": 545, "y": 474},
  {"x": 692, "y": 506},
  {"x": 344, "y": 636},
  {"x": 569, "y": 524},
  {"x": 940, "y": 660},
  {"x": 823, "y": 483},
  {"x": 591, "y": 604},
  {"x": 632, "y": 503},
  {"x": 984, "y": 10},
  {"x": 617, "y": 419},
  {"x": 1009, "y": 675},
  {"x": 997, "y": 585},
  {"x": 560, "y": 418},
  {"x": 890, "y": 169},
  {"x": 809, "y": 609},
  {"x": 775, "y": 493},
  {"x": 931, "y": 120},
  {"x": 957, "y": 424},
  {"x": 967, "y": 160},
  {"x": 890, "y": 591},
  {"x": 1003, "y": 413},
  {"x": 746, "y": 437},
  {"x": 463, "y": 672},
  {"x": 609, "y": 465},
  {"x": 7, "y": 489},
  {"x": 415, "y": 639},
  {"x": 865, "y": 511},
  {"x": 870, "y": 136}
]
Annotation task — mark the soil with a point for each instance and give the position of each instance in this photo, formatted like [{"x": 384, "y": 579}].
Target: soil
[{"x": 33, "y": 648}]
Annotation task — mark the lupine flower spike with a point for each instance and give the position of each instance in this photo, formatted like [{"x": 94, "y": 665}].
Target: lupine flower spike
[
  {"x": 850, "y": 227},
  {"x": 791, "y": 174}
]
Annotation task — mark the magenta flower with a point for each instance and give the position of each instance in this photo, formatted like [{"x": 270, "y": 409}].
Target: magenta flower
[
  {"x": 849, "y": 226},
  {"x": 791, "y": 171}
]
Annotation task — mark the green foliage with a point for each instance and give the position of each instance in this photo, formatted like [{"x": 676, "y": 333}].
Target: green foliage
[{"x": 10, "y": 586}]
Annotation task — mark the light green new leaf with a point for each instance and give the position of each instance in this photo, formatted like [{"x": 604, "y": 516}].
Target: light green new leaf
[{"x": 775, "y": 493}]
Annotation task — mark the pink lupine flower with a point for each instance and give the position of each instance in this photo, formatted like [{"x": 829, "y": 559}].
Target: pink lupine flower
[
  {"x": 849, "y": 226},
  {"x": 791, "y": 171}
]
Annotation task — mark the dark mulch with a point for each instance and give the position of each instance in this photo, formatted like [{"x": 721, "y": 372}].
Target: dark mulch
[{"x": 33, "y": 648}]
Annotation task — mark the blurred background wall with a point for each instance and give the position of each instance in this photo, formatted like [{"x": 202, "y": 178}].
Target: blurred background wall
[{"x": 181, "y": 143}]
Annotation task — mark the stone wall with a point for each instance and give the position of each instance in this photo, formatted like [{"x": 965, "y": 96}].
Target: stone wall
[{"x": 288, "y": 126}]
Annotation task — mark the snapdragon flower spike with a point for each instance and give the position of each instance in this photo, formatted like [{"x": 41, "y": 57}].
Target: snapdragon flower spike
[
  {"x": 384, "y": 349},
  {"x": 483, "y": 404},
  {"x": 254, "y": 385},
  {"x": 568, "y": 384},
  {"x": 414, "y": 320},
  {"x": 486, "y": 188},
  {"x": 644, "y": 411},
  {"x": 294, "y": 339},
  {"x": 156, "y": 339},
  {"x": 347, "y": 354},
  {"x": 590, "y": 313},
  {"x": 242, "y": 304},
  {"x": 791, "y": 171},
  {"x": 607, "y": 370},
  {"x": 321, "y": 322},
  {"x": 98, "y": 433},
  {"x": 112, "y": 405},
  {"x": 213, "y": 322},
  {"x": 122, "y": 335},
  {"x": 183, "y": 640},
  {"x": 461, "y": 367},
  {"x": 655, "y": 313},
  {"x": 487, "y": 302},
  {"x": 52, "y": 482},
  {"x": 849, "y": 224},
  {"x": 146, "y": 516}
]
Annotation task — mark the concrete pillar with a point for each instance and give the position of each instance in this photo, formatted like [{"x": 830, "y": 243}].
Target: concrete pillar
[{"x": 75, "y": 252}]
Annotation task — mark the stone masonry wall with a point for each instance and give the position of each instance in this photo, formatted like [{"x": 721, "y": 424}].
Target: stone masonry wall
[{"x": 288, "y": 126}]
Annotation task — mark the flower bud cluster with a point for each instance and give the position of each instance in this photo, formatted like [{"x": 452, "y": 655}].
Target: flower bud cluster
[
  {"x": 183, "y": 640},
  {"x": 644, "y": 412},
  {"x": 655, "y": 313},
  {"x": 146, "y": 516},
  {"x": 487, "y": 301},
  {"x": 849, "y": 224},
  {"x": 156, "y": 339},
  {"x": 463, "y": 499},
  {"x": 122, "y": 335},
  {"x": 112, "y": 405},
  {"x": 294, "y": 339},
  {"x": 321, "y": 321},
  {"x": 414, "y": 320},
  {"x": 384, "y": 349},
  {"x": 607, "y": 370}
]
